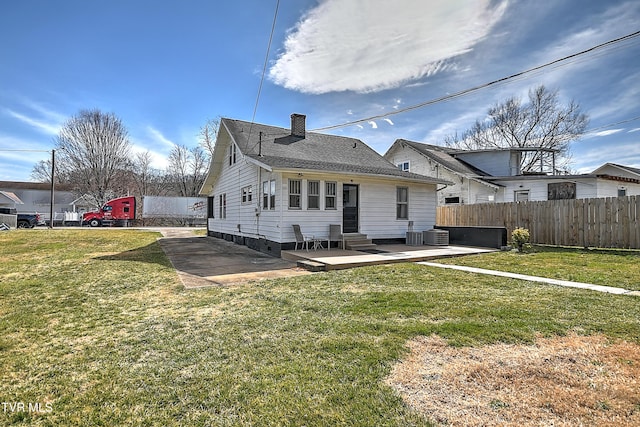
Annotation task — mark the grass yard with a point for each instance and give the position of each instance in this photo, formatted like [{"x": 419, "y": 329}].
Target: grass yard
[
  {"x": 608, "y": 267},
  {"x": 97, "y": 330}
]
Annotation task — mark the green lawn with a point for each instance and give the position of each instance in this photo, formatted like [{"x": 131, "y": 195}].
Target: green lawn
[
  {"x": 96, "y": 324},
  {"x": 617, "y": 268}
]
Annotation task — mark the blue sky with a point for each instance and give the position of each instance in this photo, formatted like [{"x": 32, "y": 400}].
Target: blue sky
[{"x": 165, "y": 67}]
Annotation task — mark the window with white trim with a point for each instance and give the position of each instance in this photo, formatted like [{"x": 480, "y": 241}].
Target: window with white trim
[
  {"x": 521, "y": 196},
  {"x": 265, "y": 195},
  {"x": 313, "y": 194},
  {"x": 402, "y": 203},
  {"x": 272, "y": 194},
  {"x": 295, "y": 194},
  {"x": 232, "y": 154},
  {"x": 403, "y": 166},
  {"x": 269, "y": 194},
  {"x": 223, "y": 206},
  {"x": 330, "y": 195},
  {"x": 247, "y": 195}
]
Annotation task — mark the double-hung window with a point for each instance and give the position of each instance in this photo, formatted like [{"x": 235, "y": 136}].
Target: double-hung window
[
  {"x": 272, "y": 194},
  {"x": 402, "y": 203},
  {"x": 313, "y": 194},
  {"x": 330, "y": 195},
  {"x": 247, "y": 195},
  {"x": 295, "y": 194},
  {"x": 223, "y": 206},
  {"x": 269, "y": 194}
]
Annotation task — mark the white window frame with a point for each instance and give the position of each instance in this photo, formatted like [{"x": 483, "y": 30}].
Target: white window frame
[
  {"x": 272, "y": 194},
  {"x": 400, "y": 203},
  {"x": 313, "y": 198},
  {"x": 223, "y": 206},
  {"x": 404, "y": 166},
  {"x": 232, "y": 154},
  {"x": 518, "y": 193},
  {"x": 331, "y": 193},
  {"x": 295, "y": 195},
  {"x": 247, "y": 195}
]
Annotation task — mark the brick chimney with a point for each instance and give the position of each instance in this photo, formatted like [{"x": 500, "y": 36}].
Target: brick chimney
[{"x": 298, "y": 125}]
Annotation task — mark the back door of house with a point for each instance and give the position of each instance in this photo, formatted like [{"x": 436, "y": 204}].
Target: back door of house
[{"x": 349, "y": 208}]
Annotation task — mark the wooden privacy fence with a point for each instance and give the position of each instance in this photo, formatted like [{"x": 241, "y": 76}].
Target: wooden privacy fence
[{"x": 604, "y": 222}]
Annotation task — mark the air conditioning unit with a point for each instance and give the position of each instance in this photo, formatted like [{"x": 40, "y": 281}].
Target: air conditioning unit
[
  {"x": 436, "y": 237},
  {"x": 414, "y": 238}
]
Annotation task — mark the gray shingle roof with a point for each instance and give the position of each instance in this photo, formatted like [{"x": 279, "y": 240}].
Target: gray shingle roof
[
  {"x": 443, "y": 156},
  {"x": 275, "y": 147}
]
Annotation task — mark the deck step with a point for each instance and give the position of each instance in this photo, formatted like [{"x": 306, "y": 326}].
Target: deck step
[
  {"x": 312, "y": 265},
  {"x": 358, "y": 241}
]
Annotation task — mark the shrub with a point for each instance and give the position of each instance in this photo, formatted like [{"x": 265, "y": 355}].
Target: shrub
[{"x": 520, "y": 238}]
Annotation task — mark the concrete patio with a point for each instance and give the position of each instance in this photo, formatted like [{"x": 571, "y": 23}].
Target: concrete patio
[{"x": 337, "y": 259}]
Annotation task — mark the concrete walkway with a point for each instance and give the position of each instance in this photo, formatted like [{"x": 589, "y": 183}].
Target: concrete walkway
[
  {"x": 338, "y": 259},
  {"x": 203, "y": 262},
  {"x": 599, "y": 288}
]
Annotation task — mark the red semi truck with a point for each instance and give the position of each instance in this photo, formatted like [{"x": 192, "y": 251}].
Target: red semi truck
[{"x": 114, "y": 212}]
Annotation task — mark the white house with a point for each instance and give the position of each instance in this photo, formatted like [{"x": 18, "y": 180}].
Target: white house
[
  {"x": 488, "y": 176},
  {"x": 36, "y": 197},
  {"x": 264, "y": 179}
]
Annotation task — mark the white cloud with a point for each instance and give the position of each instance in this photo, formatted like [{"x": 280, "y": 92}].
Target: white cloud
[
  {"x": 602, "y": 133},
  {"x": 373, "y": 124},
  {"x": 159, "y": 137},
  {"x": 634, "y": 130},
  {"x": 158, "y": 160},
  {"x": 625, "y": 154},
  {"x": 45, "y": 126},
  {"x": 346, "y": 45}
]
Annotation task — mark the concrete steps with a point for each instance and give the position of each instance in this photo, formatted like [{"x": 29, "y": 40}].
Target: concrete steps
[{"x": 358, "y": 242}]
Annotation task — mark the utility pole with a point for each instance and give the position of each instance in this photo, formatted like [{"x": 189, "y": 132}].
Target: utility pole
[{"x": 53, "y": 180}]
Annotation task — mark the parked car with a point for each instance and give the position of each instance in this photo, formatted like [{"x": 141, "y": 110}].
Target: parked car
[{"x": 25, "y": 220}]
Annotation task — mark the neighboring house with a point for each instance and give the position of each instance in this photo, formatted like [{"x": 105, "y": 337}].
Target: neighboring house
[
  {"x": 431, "y": 160},
  {"x": 36, "y": 197},
  {"x": 488, "y": 176},
  {"x": 263, "y": 179}
]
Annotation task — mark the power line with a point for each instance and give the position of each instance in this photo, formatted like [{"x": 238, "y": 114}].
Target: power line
[
  {"x": 485, "y": 85},
  {"x": 266, "y": 61},
  {"x": 633, "y": 119}
]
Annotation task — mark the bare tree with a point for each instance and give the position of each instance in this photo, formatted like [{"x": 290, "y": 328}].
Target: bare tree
[
  {"x": 541, "y": 123},
  {"x": 187, "y": 169},
  {"x": 92, "y": 152},
  {"x": 147, "y": 180},
  {"x": 207, "y": 135},
  {"x": 41, "y": 172}
]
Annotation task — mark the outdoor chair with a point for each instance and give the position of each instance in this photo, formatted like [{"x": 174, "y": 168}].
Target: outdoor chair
[
  {"x": 335, "y": 235},
  {"x": 301, "y": 239}
]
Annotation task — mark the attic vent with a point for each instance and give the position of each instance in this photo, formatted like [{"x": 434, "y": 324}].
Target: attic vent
[{"x": 298, "y": 125}]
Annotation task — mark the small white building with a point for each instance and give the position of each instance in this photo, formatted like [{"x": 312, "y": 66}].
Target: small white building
[
  {"x": 264, "y": 179},
  {"x": 488, "y": 176}
]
